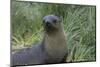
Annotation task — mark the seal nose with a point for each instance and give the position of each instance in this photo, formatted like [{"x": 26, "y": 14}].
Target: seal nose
[{"x": 48, "y": 23}]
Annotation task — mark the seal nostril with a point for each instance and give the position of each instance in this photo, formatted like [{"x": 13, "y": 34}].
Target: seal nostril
[{"x": 48, "y": 24}]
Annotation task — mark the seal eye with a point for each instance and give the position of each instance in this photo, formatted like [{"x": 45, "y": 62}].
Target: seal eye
[{"x": 55, "y": 21}]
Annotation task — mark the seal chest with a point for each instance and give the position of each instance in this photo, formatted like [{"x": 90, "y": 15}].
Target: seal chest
[{"x": 54, "y": 39}]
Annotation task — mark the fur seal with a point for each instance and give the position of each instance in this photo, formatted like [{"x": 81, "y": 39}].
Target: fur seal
[{"x": 52, "y": 49}]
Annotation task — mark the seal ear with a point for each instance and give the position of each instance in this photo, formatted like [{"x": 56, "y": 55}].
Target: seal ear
[{"x": 60, "y": 18}]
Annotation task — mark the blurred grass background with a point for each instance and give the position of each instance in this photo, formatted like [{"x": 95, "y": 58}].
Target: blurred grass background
[{"x": 79, "y": 25}]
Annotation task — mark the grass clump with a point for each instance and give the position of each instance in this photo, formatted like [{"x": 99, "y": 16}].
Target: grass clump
[{"x": 79, "y": 25}]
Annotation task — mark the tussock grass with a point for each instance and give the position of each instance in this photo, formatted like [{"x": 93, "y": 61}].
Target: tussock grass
[{"x": 79, "y": 25}]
